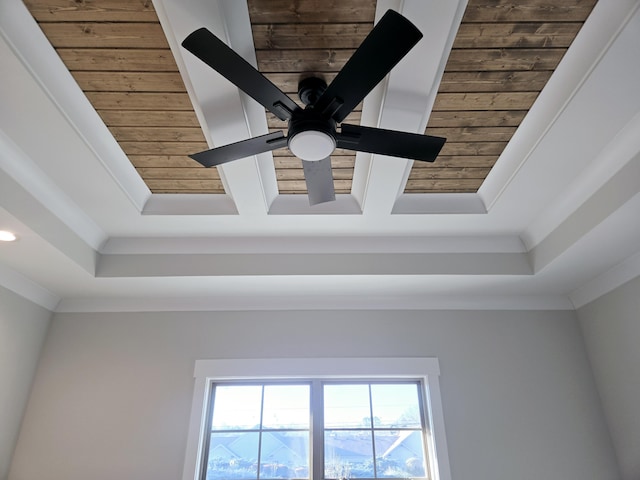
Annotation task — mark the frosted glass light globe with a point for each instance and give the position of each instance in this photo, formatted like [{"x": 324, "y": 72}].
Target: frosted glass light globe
[{"x": 312, "y": 145}]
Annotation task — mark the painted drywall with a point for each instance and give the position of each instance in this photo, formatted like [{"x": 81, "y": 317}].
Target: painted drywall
[
  {"x": 113, "y": 392},
  {"x": 23, "y": 326},
  {"x": 611, "y": 326}
]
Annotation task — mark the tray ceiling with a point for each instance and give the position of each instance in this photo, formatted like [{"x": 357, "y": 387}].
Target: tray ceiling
[{"x": 551, "y": 226}]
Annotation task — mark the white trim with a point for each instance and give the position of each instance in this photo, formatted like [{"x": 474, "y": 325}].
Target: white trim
[
  {"x": 196, "y": 428},
  {"x": 414, "y": 367},
  {"x": 606, "y": 282},
  {"x": 279, "y": 264},
  {"x": 21, "y": 285},
  {"x": 438, "y": 203},
  {"x": 28, "y": 41},
  {"x": 587, "y": 50},
  {"x": 25, "y": 173},
  {"x": 363, "y": 302},
  {"x": 312, "y": 244},
  {"x": 289, "y": 204},
  {"x": 189, "y": 204}
]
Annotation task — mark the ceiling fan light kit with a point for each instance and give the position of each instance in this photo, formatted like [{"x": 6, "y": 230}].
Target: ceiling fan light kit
[
  {"x": 312, "y": 145},
  {"x": 313, "y": 134}
]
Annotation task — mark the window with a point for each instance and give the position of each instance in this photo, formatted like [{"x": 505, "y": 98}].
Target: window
[
  {"x": 316, "y": 419},
  {"x": 258, "y": 431}
]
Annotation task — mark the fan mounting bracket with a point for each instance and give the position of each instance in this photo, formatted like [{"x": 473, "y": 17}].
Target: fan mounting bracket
[{"x": 310, "y": 89}]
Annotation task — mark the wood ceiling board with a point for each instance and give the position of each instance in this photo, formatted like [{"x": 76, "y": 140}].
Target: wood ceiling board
[
  {"x": 338, "y": 152},
  {"x": 294, "y": 40},
  {"x": 490, "y": 11},
  {"x": 157, "y": 161},
  {"x": 502, "y": 57},
  {"x": 484, "y": 81},
  {"x": 288, "y": 82},
  {"x": 297, "y": 174},
  {"x": 140, "y": 101},
  {"x": 516, "y": 34},
  {"x": 118, "y": 59},
  {"x": 303, "y": 62},
  {"x": 337, "y": 161},
  {"x": 133, "y": 118},
  {"x": 105, "y": 35},
  {"x": 157, "y": 134},
  {"x": 299, "y": 186},
  {"x": 162, "y": 148},
  {"x": 459, "y": 161},
  {"x": 443, "y": 185},
  {"x": 89, "y": 11},
  {"x": 92, "y": 81},
  {"x": 310, "y": 35},
  {"x": 118, "y": 54},
  {"x": 311, "y": 11},
  {"x": 477, "y": 118}
]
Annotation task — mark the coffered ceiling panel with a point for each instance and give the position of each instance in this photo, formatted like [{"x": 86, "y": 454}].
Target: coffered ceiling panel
[
  {"x": 309, "y": 38},
  {"x": 502, "y": 56},
  {"x": 117, "y": 52}
]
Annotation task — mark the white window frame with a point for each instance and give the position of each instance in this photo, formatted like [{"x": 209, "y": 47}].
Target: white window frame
[{"x": 425, "y": 368}]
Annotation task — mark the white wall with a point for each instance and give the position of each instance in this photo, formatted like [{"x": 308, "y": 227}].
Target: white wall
[
  {"x": 23, "y": 326},
  {"x": 113, "y": 392},
  {"x": 611, "y": 326}
]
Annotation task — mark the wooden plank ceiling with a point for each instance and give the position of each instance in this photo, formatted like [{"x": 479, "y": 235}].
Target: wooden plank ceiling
[
  {"x": 503, "y": 55},
  {"x": 300, "y": 39},
  {"x": 118, "y": 54}
]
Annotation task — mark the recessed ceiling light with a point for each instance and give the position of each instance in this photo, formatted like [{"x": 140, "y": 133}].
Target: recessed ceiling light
[{"x": 7, "y": 236}]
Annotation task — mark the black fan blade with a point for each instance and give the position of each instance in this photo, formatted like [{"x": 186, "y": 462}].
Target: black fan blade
[
  {"x": 241, "y": 149},
  {"x": 389, "y": 41},
  {"x": 219, "y": 56},
  {"x": 389, "y": 142},
  {"x": 319, "y": 181}
]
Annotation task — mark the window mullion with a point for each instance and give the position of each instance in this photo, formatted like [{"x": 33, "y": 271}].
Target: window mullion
[
  {"x": 260, "y": 433},
  {"x": 317, "y": 431},
  {"x": 373, "y": 438}
]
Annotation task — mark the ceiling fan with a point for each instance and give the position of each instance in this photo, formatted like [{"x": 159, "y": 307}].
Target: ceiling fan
[{"x": 312, "y": 132}]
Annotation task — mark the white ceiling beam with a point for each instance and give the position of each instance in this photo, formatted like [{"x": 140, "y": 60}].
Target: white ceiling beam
[
  {"x": 226, "y": 114},
  {"x": 408, "y": 98}
]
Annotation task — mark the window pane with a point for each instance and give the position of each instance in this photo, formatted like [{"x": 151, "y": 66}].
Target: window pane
[
  {"x": 284, "y": 455},
  {"x": 346, "y": 406},
  {"x": 395, "y": 405},
  {"x": 348, "y": 454},
  {"x": 233, "y": 456},
  {"x": 286, "y": 406},
  {"x": 400, "y": 454},
  {"x": 236, "y": 407}
]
